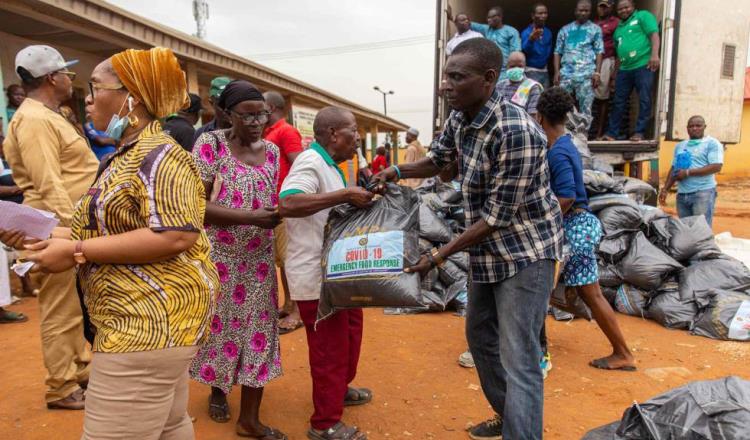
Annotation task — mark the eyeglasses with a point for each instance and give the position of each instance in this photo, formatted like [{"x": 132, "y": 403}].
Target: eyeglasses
[
  {"x": 96, "y": 86},
  {"x": 249, "y": 118},
  {"x": 71, "y": 75}
]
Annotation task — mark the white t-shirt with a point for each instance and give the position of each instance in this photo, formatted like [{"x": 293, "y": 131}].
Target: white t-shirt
[
  {"x": 313, "y": 172},
  {"x": 460, "y": 38}
]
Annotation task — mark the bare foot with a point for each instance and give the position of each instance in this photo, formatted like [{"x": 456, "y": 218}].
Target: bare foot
[
  {"x": 615, "y": 362},
  {"x": 290, "y": 322},
  {"x": 636, "y": 137}
]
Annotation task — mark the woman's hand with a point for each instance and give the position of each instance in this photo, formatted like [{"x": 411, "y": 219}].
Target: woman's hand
[
  {"x": 52, "y": 256},
  {"x": 215, "y": 189},
  {"x": 16, "y": 239}
]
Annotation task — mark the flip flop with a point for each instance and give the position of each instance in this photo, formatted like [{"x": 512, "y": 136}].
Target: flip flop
[
  {"x": 220, "y": 407},
  {"x": 604, "y": 365},
  {"x": 339, "y": 431},
  {"x": 297, "y": 323},
  {"x": 357, "y": 396},
  {"x": 7, "y": 317},
  {"x": 268, "y": 434}
]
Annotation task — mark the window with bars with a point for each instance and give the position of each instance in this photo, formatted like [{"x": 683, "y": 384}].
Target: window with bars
[{"x": 727, "y": 61}]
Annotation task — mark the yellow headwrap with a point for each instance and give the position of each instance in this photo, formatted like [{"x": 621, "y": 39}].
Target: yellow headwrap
[{"x": 154, "y": 77}]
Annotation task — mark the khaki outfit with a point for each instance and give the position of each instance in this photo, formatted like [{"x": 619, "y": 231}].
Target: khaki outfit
[
  {"x": 54, "y": 167},
  {"x": 414, "y": 152}
]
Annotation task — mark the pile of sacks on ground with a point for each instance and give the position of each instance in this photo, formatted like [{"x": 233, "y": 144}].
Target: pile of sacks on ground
[
  {"x": 661, "y": 267},
  {"x": 441, "y": 217}
]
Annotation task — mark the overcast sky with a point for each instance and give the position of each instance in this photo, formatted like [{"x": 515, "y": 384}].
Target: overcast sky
[{"x": 249, "y": 28}]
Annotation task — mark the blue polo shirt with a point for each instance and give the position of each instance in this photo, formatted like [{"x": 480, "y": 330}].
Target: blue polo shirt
[
  {"x": 537, "y": 52},
  {"x": 697, "y": 153},
  {"x": 566, "y": 170}
]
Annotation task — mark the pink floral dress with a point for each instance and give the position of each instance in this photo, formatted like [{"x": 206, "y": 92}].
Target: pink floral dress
[{"x": 243, "y": 343}]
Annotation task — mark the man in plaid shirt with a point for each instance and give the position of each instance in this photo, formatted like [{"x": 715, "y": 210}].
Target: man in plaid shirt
[{"x": 514, "y": 234}]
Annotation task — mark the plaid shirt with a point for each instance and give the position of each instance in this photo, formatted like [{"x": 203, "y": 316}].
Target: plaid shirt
[{"x": 505, "y": 181}]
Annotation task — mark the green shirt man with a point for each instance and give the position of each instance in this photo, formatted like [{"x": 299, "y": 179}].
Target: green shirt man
[{"x": 633, "y": 39}]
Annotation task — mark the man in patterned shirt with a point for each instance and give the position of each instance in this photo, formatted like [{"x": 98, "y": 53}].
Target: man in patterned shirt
[{"x": 514, "y": 234}]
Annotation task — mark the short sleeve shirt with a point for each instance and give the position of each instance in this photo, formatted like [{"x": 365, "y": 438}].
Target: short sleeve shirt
[
  {"x": 632, "y": 39},
  {"x": 608, "y": 26},
  {"x": 693, "y": 154},
  {"x": 506, "y": 37},
  {"x": 288, "y": 139},
  {"x": 578, "y": 45},
  {"x": 460, "y": 38},
  {"x": 139, "y": 307},
  {"x": 313, "y": 172}
]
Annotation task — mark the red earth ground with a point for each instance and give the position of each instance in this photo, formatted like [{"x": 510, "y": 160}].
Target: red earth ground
[{"x": 410, "y": 363}]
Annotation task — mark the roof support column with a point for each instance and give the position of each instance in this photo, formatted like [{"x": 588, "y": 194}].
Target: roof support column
[
  {"x": 373, "y": 141},
  {"x": 192, "y": 77}
]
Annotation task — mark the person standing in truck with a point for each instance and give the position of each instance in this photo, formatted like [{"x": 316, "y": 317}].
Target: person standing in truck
[
  {"x": 506, "y": 37},
  {"x": 517, "y": 87},
  {"x": 538, "y": 44},
  {"x": 608, "y": 22},
  {"x": 578, "y": 57},
  {"x": 637, "y": 43},
  {"x": 694, "y": 167},
  {"x": 463, "y": 33}
]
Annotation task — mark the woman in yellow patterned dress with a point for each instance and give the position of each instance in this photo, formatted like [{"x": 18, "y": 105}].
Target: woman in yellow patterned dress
[{"x": 143, "y": 258}]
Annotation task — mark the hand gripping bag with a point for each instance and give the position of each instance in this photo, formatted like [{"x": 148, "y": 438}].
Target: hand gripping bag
[{"x": 365, "y": 252}]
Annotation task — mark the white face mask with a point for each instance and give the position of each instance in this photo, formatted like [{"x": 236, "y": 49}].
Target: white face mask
[{"x": 117, "y": 125}]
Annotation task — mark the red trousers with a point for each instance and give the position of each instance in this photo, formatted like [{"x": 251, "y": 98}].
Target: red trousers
[{"x": 334, "y": 354}]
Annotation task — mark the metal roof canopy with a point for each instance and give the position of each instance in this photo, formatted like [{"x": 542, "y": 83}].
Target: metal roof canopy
[{"x": 97, "y": 27}]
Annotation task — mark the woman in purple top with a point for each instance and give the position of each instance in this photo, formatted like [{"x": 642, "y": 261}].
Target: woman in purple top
[{"x": 582, "y": 229}]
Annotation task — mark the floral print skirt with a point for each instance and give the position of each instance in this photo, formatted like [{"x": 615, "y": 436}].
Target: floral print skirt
[{"x": 583, "y": 231}]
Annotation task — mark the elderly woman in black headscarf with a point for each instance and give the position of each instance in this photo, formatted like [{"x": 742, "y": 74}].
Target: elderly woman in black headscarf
[{"x": 241, "y": 170}]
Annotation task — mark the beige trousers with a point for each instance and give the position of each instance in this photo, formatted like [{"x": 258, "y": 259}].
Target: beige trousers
[
  {"x": 141, "y": 395},
  {"x": 64, "y": 349}
]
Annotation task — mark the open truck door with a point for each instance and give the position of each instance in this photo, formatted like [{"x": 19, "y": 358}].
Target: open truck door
[{"x": 707, "y": 67}]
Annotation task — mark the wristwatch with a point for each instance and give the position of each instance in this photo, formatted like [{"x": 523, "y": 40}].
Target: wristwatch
[
  {"x": 78, "y": 256},
  {"x": 436, "y": 258}
]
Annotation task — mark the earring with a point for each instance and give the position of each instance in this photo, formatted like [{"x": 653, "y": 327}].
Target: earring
[{"x": 133, "y": 120}]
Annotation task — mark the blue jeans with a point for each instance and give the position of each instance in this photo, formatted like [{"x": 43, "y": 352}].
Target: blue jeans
[
  {"x": 697, "y": 203},
  {"x": 503, "y": 323},
  {"x": 642, "y": 80}
]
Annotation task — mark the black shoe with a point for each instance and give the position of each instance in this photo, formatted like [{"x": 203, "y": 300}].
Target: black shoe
[{"x": 491, "y": 429}]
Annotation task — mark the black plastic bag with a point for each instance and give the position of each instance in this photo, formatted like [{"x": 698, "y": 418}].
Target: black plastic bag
[
  {"x": 597, "y": 203},
  {"x": 669, "y": 310},
  {"x": 365, "y": 252},
  {"x": 726, "y": 317},
  {"x": 597, "y": 182},
  {"x": 430, "y": 280},
  {"x": 608, "y": 277},
  {"x": 689, "y": 236},
  {"x": 461, "y": 259},
  {"x": 631, "y": 300},
  {"x": 704, "y": 410},
  {"x": 432, "y": 227},
  {"x": 638, "y": 188},
  {"x": 618, "y": 218},
  {"x": 599, "y": 164},
  {"x": 649, "y": 213},
  {"x": 610, "y": 293},
  {"x": 658, "y": 233},
  {"x": 644, "y": 265},
  {"x": 567, "y": 299},
  {"x": 450, "y": 273},
  {"x": 613, "y": 247},
  {"x": 725, "y": 273},
  {"x": 425, "y": 245}
]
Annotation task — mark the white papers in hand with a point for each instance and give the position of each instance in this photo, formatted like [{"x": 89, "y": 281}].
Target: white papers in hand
[
  {"x": 34, "y": 222},
  {"x": 21, "y": 268}
]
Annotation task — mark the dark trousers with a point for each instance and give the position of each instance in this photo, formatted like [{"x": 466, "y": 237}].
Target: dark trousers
[
  {"x": 503, "y": 323},
  {"x": 642, "y": 80},
  {"x": 334, "y": 348}
]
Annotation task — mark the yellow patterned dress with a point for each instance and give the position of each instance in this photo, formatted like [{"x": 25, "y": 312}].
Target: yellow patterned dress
[{"x": 151, "y": 183}]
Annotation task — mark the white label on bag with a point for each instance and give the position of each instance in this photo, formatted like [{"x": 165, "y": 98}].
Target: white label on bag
[
  {"x": 369, "y": 254},
  {"x": 739, "y": 328}
]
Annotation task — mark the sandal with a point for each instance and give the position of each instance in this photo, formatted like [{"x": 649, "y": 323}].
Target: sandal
[
  {"x": 636, "y": 137},
  {"x": 268, "y": 434},
  {"x": 357, "y": 396},
  {"x": 604, "y": 365},
  {"x": 284, "y": 325},
  {"x": 218, "y": 412},
  {"x": 608, "y": 138},
  {"x": 339, "y": 431},
  {"x": 7, "y": 317}
]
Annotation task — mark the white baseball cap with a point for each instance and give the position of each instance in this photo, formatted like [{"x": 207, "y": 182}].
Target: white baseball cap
[
  {"x": 413, "y": 131},
  {"x": 41, "y": 60}
]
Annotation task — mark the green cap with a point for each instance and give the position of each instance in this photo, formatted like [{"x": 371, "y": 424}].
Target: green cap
[{"x": 217, "y": 86}]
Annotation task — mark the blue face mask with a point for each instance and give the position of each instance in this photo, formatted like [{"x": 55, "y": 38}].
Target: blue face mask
[
  {"x": 117, "y": 125},
  {"x": 514, "y": 74}
]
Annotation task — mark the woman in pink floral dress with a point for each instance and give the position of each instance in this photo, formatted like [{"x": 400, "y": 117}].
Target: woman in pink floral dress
[{"x": 243, "y": 341}]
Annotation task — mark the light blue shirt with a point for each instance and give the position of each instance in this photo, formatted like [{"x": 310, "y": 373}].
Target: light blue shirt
[
  {"x": 506, "y": 37},
  {"x": 693, "y": 154},
  {"x": 578, "y": 45}
]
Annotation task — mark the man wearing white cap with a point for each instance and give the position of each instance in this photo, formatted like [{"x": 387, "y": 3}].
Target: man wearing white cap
[
  {"x": 414, "y": 152},
  {"x": 54, "y": 166}
]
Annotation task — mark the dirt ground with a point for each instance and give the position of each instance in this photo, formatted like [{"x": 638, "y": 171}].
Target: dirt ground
[{"x": 410, "y": 363}]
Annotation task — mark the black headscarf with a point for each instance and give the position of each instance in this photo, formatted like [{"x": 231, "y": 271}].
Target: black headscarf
[{"x": 238, "y": 91}]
